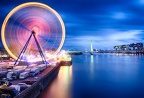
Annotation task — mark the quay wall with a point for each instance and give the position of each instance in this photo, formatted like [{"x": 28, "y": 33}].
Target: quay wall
[{"x": 37, "y": 87}]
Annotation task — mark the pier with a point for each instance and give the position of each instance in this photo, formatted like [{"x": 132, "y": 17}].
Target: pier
[{"x": 45, "y": 78}]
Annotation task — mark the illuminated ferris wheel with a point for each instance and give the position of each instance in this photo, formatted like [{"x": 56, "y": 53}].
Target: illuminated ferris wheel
[{"x": 31, "y": 28}]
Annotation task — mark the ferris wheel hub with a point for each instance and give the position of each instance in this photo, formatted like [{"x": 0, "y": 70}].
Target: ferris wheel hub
[
  {"x": 33, "y": 32},
  {"x": 36, "y": 30}
]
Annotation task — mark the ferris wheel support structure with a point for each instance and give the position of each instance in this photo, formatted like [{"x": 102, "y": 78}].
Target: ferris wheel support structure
[{"x": 25, "y": 47}]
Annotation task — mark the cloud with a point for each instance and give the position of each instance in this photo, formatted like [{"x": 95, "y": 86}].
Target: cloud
[
  {"x": 106, "y": 22},
  {"x": 131, "y": 34},
  {"x": 105, "y": 41}
]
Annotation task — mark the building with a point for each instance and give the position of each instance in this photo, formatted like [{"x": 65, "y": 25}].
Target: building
[{"x": 133, "y": 46}]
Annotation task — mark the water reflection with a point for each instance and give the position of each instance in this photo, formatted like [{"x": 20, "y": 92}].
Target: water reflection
[
  {"x": 99, "y": 76},
  {"x": 60, "y": 87},
  {"x": 92, "y": 65}
]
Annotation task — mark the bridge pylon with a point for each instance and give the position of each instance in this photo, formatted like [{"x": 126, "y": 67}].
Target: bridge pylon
[{"x": 91, "y": 48}]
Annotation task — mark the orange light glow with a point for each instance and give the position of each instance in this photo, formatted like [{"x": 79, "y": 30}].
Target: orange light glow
[{"x": 35, "y": 28}]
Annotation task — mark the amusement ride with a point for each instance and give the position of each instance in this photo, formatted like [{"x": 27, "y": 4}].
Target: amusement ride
[{"x": 33, "y": 31}]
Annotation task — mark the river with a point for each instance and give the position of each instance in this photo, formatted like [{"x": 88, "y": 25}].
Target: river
[{"x": 99, "y": 76}]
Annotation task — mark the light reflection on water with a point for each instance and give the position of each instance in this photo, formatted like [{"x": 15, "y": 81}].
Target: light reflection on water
[
  {"x": 99, "y": 76},
  {"x": 60, "y": 86},
  {"x": 92, "y": 65}
]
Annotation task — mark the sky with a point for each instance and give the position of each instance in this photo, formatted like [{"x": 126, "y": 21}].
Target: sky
[{"x": 106, "y": 22}]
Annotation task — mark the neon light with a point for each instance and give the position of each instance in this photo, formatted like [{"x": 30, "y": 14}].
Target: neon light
[{"x": 27, "y": 5}]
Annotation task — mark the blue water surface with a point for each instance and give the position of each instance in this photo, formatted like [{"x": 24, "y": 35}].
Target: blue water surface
[{"x": 99, "y": 76}]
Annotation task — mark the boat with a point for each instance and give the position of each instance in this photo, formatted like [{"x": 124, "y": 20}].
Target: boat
[{"x": 66, "y": 60}]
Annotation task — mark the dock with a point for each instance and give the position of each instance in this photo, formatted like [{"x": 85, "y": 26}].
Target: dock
[{"x": 45, "y": 78}]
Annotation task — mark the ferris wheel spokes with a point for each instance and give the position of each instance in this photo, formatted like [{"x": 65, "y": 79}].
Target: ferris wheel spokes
[{"x": 40, "y": 18}]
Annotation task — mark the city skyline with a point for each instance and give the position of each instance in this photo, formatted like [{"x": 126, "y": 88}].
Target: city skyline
[{"x": 107, "y": 22}]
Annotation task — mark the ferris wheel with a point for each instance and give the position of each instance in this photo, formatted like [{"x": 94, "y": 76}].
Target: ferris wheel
[{"x": 31, "y": 28}]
